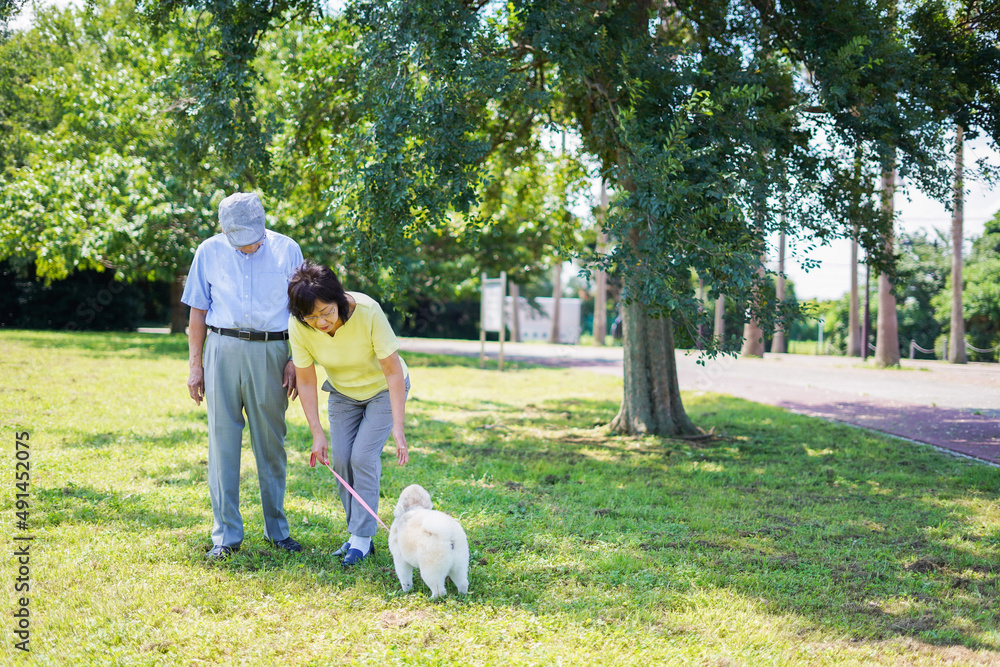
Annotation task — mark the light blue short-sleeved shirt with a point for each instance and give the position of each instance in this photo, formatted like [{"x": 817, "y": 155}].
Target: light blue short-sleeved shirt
[{"x": 242, "y": 291}]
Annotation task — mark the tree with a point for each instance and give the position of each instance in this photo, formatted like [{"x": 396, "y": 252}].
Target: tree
[
  {"x": 853, "y": 326},
  {"x": 601, "y": 277},
  {"x": 922, "y": 271},
  {"x": 8, "y": 10},
  {"x": 959, "y": 40},
  {"x": 854, "y": 337},
  {"x": 887, "y": 326},
  {"x": 688, "y": 109},
  {"x": 778, "y": 343},
  {"x": 981, "y": 308},
  {"x": 95, "y": 174},
  {"x": 956, "y": 353}
]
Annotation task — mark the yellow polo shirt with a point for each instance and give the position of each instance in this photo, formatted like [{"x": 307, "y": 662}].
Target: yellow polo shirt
[{"x": 351, "y": 357}]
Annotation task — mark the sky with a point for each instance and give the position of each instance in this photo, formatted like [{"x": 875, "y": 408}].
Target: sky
[
  {"x": 22, "y": 21},
  {"x": 832, "y": 278}
]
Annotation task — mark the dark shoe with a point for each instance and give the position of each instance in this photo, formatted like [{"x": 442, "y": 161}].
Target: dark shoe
[
  {"x": 220, "y": 552},
  {"x": 288, "y": 544},
  {"x": 354, "y": 556},
  {"x": 343, "y": 549}
]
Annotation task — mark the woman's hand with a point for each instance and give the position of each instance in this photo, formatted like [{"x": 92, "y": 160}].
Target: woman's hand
[
  {"x": 320, "y": 450},
  {"x": 402, "y": 453},
  {"x": 392, "y": 367}
]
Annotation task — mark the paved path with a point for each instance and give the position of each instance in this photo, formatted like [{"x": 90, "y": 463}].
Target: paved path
[{"x": 953, "y": 407}]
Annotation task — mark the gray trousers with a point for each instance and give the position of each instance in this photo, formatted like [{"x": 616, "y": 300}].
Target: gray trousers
[
  {"x": 245, "y": 376},
  {"x": 358, "y": 432}
]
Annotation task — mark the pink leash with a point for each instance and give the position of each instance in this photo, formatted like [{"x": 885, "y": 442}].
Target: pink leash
[{"x": 312, "y": 464}]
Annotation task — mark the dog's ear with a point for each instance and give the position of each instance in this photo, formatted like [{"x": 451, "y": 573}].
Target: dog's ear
[
  {"x": 419, "y": 501},
  {"x": 413, "y": 497},
  {"x": 423, "y": 499}
]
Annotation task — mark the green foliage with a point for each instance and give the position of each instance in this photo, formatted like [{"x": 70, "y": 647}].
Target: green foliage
[
  {"x": 924, "y": 269},
  {"x": 980, "y": 293},
  {"x": 8, "y": 10},
  {"x": 86, "y": 301},
  {"x": 958, "y": 42},
  {"x": 95, "y": 174},
  {"x": 321, "y": 153},
  {"x": 982, "y": 303},
  {"x": 217, "y": 80},
  {"x": 405, "y": 110},
  {"x": 403, "y": 141},
  {"x": 310, "y": 72}
]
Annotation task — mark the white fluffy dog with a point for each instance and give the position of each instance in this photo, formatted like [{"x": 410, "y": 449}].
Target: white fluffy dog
[{"x": 432, "y": 541}]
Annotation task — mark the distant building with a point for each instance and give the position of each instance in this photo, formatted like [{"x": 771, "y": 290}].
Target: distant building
[{"x": 536, "y": 324}]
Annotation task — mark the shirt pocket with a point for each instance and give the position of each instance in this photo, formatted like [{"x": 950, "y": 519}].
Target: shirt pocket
[{"x": 272, "y": 291}]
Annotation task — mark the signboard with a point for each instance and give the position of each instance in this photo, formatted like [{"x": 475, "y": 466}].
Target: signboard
[
  {"x": 491, "y": 315},
  {"x": 492, "y": 310}
]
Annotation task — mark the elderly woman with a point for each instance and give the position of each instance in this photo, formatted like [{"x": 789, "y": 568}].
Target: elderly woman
[{"x": 349, "y": 336}]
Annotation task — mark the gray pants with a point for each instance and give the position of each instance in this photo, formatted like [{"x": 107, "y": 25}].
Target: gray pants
[
  {"x": 245, "y": 375},
  {"x": 358, "y": 432}
]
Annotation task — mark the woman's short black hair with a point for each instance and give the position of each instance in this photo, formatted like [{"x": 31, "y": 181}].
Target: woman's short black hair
[{"x": 314, "y": 282}]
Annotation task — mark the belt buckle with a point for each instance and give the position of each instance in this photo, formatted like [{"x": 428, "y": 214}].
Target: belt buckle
[{"x": 243, "y": 334}]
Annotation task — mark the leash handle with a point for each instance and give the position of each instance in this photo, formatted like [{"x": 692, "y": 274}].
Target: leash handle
[{"x": 354, "y": 493}]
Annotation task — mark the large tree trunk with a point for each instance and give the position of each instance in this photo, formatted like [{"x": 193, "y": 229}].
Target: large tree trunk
[
  {"x": 778, "y": 342},
  {"x": 956, "y": 351},
  {"x": 853, "y": 325},
  {"x": 887, "y": 338},
  {"x": 178, "y": 311},
  {"x": 652, "y": 402}
]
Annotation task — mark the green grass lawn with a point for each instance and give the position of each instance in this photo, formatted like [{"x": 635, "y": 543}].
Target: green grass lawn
[{"x": 786, "y": 541}]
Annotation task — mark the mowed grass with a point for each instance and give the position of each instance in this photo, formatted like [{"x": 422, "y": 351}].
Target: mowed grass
[{"x": 785, "y": 541}]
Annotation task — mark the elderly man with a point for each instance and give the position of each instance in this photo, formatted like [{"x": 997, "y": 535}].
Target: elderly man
[{"x": 238, "y": 292}]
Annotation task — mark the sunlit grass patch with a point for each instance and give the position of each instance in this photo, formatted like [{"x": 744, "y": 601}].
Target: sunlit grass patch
[{"x": 783, "y": 540}]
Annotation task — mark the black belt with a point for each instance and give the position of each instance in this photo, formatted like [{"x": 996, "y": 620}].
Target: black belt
[{"x": 246, "y": 334}]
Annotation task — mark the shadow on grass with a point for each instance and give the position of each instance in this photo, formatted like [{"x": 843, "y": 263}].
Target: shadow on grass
[
  {"x": 78, "y": 504},
  {"x": 858, "y": 535},
  {"x": 112, "y": 439},
  {"x": 803, "y": 517}
]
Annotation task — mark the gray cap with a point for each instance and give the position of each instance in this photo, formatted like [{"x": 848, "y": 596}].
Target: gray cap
[{"x": 242, "y": 217}]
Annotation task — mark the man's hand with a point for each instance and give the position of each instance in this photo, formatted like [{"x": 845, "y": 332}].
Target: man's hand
[
  {"x": 289, "y": 381},
  {"x": 197, "y": 331},
  {"x": 196, "y": 384}
]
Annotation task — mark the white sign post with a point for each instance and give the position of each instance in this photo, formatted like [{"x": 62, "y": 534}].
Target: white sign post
[{"x": 491, "y": 313}]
